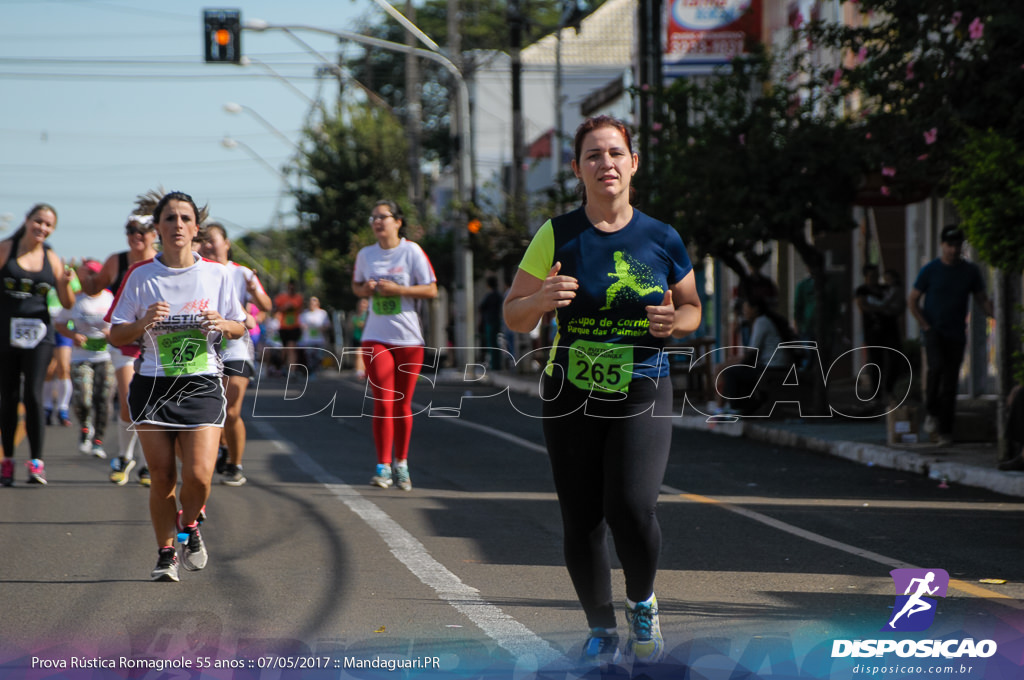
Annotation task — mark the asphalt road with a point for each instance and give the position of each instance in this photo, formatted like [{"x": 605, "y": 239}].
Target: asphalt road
[{"x": 769, "y": 555}]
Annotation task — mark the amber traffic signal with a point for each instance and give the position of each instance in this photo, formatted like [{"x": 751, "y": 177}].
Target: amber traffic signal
[{"x": 222, "y": 31}]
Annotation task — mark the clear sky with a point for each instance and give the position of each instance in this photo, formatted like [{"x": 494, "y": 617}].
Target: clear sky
[{"x": 101, "y": 100}]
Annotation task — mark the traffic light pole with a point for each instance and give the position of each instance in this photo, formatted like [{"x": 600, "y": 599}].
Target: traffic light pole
[{"x": 464, "y": 308}]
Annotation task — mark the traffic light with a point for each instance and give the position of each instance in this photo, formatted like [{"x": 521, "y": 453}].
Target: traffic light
[
  {"x": 222, "y": 29},
  {"x": 474, "y": 226}
]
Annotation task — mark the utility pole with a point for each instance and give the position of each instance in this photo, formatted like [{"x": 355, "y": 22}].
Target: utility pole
[
  {"x": 464, "y": 319},
  {"x": 414, "y": 116},
  {"x": 518, "y": 175},
  {"x": 650, "y": 75},
  {"x": 465, "y": 308}
]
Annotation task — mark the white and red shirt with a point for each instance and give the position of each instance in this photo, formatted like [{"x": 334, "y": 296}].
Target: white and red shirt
[
  {"x": 394, "y": 320},
  {"x": 242, "y": 348},
  {"x": 88, "y": 315},
  {"x": 178, "y": 345}
]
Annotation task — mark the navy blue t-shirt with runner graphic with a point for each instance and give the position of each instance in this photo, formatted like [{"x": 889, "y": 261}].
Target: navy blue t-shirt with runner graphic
[{"x": 603, "y": 339}]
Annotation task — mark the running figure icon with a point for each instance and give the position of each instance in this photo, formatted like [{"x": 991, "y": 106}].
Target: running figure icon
[
  {"x": 915, "y": 603},
  {"x": 627, "y": 278}
]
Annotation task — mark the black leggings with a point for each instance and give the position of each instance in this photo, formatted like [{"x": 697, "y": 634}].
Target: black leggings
[
  {"x": 32, "y": 364},
  {"x": 608, "y": 473}
]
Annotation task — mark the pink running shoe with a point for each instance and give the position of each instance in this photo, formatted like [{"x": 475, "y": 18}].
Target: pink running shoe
[{"x": 36, "y": 471}]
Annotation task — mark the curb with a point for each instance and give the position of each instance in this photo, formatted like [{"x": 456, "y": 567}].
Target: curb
[
  {"x": 1007, "y": 483},
  {"x": 999, "y": 481}
]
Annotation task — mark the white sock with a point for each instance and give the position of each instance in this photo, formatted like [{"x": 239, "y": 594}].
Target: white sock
[
  {"x": 48, "y": 395},
  {"x": 126, "y": 439},
  {"x": 632, "y": 605},
  {"x": 64, "y": 389}
]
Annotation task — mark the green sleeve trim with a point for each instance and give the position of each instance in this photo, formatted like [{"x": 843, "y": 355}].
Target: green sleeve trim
[{"x": 540, "y": 254}]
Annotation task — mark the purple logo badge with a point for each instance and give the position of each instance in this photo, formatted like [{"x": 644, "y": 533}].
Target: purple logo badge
[{"x": 914, "y": 609}]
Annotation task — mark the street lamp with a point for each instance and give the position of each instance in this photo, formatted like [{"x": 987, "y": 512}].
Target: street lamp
[
  {"x": 465, "y": 312},
  {"x": 234, "y": 108},
  {"x": 246, "y": 61},
  {"x": 231, "y": 143}
]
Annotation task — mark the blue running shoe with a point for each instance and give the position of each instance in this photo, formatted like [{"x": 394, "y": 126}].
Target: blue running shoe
[
  {"x": 383, "y": 477},
  {"x": 601, "y": 648}
]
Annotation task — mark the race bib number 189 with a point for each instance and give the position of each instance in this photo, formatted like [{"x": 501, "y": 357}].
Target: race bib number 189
[
  {"x": 387, "y": 305},
  {"x": 183, "y": 353},
  {"x": 600, "y": 365}
]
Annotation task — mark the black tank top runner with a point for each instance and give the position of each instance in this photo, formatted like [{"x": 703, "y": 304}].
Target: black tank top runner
[
  {"x": 122, "y": 269},
  {"x": 24, "y": 294}
]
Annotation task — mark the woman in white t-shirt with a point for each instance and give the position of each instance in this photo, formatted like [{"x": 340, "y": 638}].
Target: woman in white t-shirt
[
  {"x": 180, "y": 306},
  {"x": 237, "y": 354},
  {"x": 315, "y": 323},
  {"x": 394, "y": 274}
]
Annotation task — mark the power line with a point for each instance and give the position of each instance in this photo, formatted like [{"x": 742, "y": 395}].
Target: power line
[{"x": 142, "y": 76}]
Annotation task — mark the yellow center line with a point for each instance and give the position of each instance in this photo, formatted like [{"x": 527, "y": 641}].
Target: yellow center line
[{"x": 892, "y": 563}]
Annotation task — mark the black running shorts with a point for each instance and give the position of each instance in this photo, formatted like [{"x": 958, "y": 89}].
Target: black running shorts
[{"x": 182, "y": 402}]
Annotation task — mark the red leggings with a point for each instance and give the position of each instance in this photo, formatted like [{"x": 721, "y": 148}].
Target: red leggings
[{"x": 392, "y": 373}]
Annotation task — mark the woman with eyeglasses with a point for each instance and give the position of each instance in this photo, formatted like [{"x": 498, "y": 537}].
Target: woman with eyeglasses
[
  {"x": 393, "y": 274},
  {"x": 141, "y": 235},
  {"x": 180, "y": 307},
  {"x": 29, "y": 269}
]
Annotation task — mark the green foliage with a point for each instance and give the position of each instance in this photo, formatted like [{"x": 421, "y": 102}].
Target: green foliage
[
  {"x": 353, "y": 160},
  {"x": 749, "y": 155},
  {"x": 271, "y": 253},
  {"x": 988, "y": 193},
  {"x": 923, "y": 73}
]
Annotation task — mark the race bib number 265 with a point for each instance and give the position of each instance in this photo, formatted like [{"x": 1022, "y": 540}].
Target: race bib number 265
[{"x": 600, "y": 365}]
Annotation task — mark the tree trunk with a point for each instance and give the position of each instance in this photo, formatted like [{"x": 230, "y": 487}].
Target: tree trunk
[{"x": 1008, "y": 319}]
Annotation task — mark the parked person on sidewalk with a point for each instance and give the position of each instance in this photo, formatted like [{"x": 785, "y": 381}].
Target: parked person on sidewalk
[
  {"x": 894, "y": 304},
  {"x": 141, "y": 235},
  {"x": 805, "y": 315},
  {"x": 869, "y": 297},
  {"x": 609, "y": 268},
  {"x": 179, "y": 306},
  {"x": 394, "y": 274},
  {"x": 237, "y": 355},
  {"x": 91, "y": 369},
  {"x": 739, "y": 375},
  {"x": 946, "y": 285},
  {"x": 29, "y": 268}
]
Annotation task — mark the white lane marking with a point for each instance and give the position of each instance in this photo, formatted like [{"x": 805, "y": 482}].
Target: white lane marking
[
  {"x": 508, "y": 633},
  {"x": 518, "y": 441},
  {"x": 890, "y": 562}
]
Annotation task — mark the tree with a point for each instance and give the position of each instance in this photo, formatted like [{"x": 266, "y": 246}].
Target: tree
[
  {"x": 923, "y": 73},
  {"x": 754, "y": 154},
  {"x": 353, "y": 159},
  {"x": 939, "y": 82},
  {"x": 987, "y": 190}
]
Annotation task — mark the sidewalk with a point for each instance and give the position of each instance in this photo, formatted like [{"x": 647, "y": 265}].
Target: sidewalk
[{"x": 860, "y": 440}]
